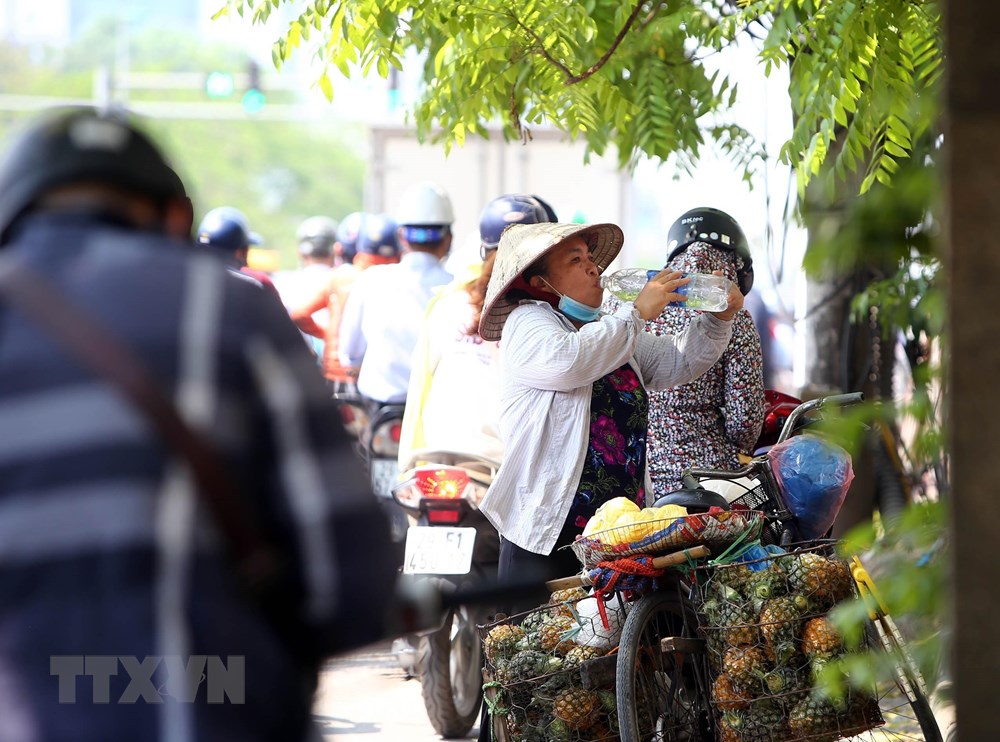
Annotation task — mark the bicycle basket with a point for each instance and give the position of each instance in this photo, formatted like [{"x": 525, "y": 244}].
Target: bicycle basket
[
  {"x": 541, "y": 683},
  {"x": 767, "y": 637},
  {"x": 757, "y": 498},
  {"x": 717, "y": 530}
]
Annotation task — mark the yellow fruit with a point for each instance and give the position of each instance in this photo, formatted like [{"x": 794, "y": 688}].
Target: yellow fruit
[
  {"x": 630, "y": 527},
  {"x": 608, "y": 514},
  {"x": 671, "y": 511}
]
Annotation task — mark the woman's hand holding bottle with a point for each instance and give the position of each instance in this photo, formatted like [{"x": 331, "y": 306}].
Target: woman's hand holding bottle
[
  {"x": 661, "y": 290},
  {"x": 735, "y": 301}
]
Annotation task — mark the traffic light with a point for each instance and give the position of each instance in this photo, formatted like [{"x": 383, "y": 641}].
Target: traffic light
[
  {"x": 253, "y": 99},
  {"x": 219, "y": 85}
]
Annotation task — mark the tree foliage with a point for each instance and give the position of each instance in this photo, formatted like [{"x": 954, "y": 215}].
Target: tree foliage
[{"x": 635, "y": 74}]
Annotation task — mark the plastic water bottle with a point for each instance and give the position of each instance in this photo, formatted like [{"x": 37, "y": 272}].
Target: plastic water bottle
[
  {"x": 705, "y": 291},
  {"x": 626, "y": 283}
]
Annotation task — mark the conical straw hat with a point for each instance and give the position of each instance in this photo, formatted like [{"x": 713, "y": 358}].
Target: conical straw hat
[{"x": 523, "y": 244}]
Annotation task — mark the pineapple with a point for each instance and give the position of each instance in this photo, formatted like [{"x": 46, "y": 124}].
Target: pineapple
[
  {"x": 780, "y": 623},
  {"x": 727, "y": 731},
  {"x": 770, "y": 582},
  {"x": 745, "y": 666},
  {"x": 577, "y": 707},
  {"x": 728, "y": 612},
  {"x": 736, "y": 576},
  {"x": 580, "y": 654},
  {"x": 824, "y": 581},
  {"x": 815, "y": 718},
  {"x": 525, "y": 666},
  {"x": 764, "y": 721},
  {"x": 820, "y": 638},
  {"x": 501, "y": 641},
  {"x": 786, "y": 685},
  {"x": 533, "y": 621},
  {"x": 726, "y": 696},
  {"x": 561, "y": 600},
  {"x": 551, "y": 632}
]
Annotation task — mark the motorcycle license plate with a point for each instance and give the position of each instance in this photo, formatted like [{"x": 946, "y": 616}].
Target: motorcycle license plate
[
  {"x": 435, "y": 550},
  {"x": 385, "y": 474}
]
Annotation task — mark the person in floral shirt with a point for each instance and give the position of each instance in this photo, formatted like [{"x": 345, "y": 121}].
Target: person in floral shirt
[
  {"x": 573, "y": 399},
  {"x": 707, "y": 422}
]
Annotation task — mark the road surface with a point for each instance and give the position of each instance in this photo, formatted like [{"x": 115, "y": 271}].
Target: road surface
[{"x": 366, "y": 696}]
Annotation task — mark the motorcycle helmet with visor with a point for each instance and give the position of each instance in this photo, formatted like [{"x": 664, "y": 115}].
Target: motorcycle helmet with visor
[{"x": 718, "y": 229}]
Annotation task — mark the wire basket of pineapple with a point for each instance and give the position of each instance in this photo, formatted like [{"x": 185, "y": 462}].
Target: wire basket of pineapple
[
  {"x": 550, "y": 672},
  {"x": 764, "y": 619},
  {"x": 620, "y": 528}
]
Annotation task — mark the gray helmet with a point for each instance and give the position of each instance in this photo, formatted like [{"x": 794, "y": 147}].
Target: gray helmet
[
  {"x": 316, "y": 236},
  {"x": 79, "y": 145}
]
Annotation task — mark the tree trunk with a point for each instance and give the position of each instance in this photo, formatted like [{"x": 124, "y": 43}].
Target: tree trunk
[{"x": 972, "y": 182}]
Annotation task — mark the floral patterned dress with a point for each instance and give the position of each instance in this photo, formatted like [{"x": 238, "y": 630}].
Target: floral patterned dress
[
  {"x": 615, "y": 465},
  {"x": 709, "y": 421}
]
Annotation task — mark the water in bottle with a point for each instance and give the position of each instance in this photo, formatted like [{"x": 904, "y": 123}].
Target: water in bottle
[
  {"x": 626, "y": 283},
  {"x": 705, "y": 291}
]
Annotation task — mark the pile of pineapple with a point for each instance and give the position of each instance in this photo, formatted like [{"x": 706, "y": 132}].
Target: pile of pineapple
[
  {"x": 535, "y": 661},
  {"x": 768, "y": 637}
]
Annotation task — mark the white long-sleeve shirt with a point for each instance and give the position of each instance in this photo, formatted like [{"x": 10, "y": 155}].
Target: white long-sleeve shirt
[
  {"x": 548, "y": 369},
  {"x": 382, "y": 321}
]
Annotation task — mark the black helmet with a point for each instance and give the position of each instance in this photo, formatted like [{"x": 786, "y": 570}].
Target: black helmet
[
  {"x": 716, "y": 228},
  {"x": 347, "y": 235},
  {"x": 695, "y": 500},
  {"x": 78, "y": 145},
  {"x": 226, "y": 228},
  {"x": 316, "y": 236},
  {"x": 501, "y": 212},
  {"x": 378, "y": 236}
]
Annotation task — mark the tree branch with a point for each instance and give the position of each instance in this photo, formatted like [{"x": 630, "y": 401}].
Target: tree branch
[
  {"x": 572, "y": 79},
  {"x": 611, "y": 49}
]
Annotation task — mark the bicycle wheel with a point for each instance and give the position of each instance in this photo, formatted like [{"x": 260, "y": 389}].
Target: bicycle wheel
[
  {"x": 903, "y": 702},
  {"x": 662, "y": 695}
]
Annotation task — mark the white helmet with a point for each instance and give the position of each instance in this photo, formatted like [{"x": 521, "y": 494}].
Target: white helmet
[{"x": 425, "y": 204}]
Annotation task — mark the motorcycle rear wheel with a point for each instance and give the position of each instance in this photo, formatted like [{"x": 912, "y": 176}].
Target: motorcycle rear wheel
[{"x": 451, "y": 676}]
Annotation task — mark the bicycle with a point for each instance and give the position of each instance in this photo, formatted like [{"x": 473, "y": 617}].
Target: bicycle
[{"x": 664, "y": 678}]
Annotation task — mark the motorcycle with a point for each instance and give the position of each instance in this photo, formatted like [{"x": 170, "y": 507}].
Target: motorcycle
[
  {"x": 451, "y": 544},
  {"x": 381, "y": 452}
]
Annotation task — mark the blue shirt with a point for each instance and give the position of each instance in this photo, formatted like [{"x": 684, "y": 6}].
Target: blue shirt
[
  {"x": 106, "y": 549},
  {"x": 382, "y": 321}
]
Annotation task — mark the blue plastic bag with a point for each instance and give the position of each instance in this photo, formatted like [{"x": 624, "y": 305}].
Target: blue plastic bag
[{"x": 814, "y": 476}]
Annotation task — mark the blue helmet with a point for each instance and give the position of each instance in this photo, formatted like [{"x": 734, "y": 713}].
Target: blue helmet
[
  {"x": 378, "y": 236},
  {"x": 501, "y": 212},
  {"x": 226, "y": 228},
  {"x": 548, "y": 208},
  {"x": 348, "y": 232}
]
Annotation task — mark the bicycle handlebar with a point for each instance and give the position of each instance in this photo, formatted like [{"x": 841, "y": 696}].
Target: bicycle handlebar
[{"x": 817, "y": 404}]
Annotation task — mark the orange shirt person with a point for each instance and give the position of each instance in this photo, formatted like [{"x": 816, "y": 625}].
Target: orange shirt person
[{"x": 362, "y": 241}]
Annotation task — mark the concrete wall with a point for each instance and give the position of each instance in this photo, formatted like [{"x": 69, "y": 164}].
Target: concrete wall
[{"x": 549, "y": 166}]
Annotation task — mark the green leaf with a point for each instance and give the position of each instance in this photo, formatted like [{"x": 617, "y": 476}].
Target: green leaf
[{"x": 326, "y": 85}]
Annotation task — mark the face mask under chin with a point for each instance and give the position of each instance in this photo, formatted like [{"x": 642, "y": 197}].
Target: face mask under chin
[{"x": 574, "y": 309}]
